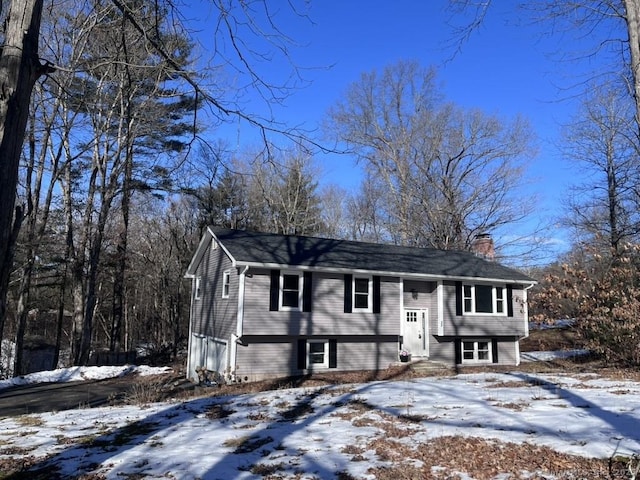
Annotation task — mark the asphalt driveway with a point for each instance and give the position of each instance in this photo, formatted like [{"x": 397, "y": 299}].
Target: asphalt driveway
[{"x": 50, "y": 397}]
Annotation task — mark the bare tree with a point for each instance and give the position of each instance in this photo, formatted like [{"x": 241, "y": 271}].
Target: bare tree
[
  {"x": 610, "y": 28},
  {"x": 448, "y": 174},
  {"x": 20, "y": 68},
  {"x": 365, "y": 213},
  {"x": 246, "y": 35},
  {"x": 602, "y": 141}
]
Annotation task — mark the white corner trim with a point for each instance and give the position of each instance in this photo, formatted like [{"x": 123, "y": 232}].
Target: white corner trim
[
  {"x": 440, "y": 295},
  {"x": 239, "y": 320},
  {"x": 401, "y": 312}
]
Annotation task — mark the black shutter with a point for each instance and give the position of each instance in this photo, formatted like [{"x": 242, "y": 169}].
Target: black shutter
[
  {"x": 458, "y": 350},
  {"x": 333, "y": 353},
  {"x": 274, "y": 291},
  {"x": 494, "y": 350},
  {"x": 348, "y": 304},
  {"x": 376, "y": 294},
  {"x": 302, "y": 354},
  {"x": 306, "y": 292},
  {"x": 509, "y": 301},
  {"x": 458, "y": 298}
]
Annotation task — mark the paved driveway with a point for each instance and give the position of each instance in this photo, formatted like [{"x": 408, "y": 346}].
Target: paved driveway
[{"x": 48, "y": 397}]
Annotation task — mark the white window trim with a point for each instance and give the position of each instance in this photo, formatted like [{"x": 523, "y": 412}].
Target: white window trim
[
  {"x": 369, "y": 293},
  {"x": 197, "y": 288},
  {"x": 494, "y": 301},
  {"x": 281, "y": 291},
  {"x": 226, "y": 283},
  {"x": 311, "y": 366},
  {"x": 475, "y": 359},
  {"x": 214, "y": 244}
]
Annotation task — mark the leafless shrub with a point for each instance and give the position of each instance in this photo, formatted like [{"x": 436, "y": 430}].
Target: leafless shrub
[
  {"x": 518, "y": 407},
  {"x": 145, "y": 392},
  {"x": 218, "y": 411}
]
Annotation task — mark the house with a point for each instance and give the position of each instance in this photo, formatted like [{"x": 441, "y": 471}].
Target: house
[{"x": 266, "y": 305}]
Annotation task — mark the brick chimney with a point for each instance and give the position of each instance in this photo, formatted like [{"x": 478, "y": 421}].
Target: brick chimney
[{"x": 482, "y": 246}]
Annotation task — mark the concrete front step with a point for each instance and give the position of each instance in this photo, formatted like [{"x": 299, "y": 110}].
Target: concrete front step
[{"x": 423, "y": 365}]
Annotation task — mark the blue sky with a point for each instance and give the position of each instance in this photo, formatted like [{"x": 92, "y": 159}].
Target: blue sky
[{"x": 506, "y": 68}]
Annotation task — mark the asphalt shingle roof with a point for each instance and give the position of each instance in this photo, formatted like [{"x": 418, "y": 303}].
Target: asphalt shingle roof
[{"x": 297, "y": 251}]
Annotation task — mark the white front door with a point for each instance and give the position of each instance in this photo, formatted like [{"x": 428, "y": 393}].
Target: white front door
[{"x": 415, "y": 332}]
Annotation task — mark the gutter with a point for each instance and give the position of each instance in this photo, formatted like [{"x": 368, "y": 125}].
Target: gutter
[
  {"x": 384, "y": 273},
  {"x": 237, "y": 337}
]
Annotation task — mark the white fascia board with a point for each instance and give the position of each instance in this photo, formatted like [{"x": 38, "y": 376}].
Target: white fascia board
[
  {"x": 224, "y": 249},
  {"x": 205, "y": 241},
  {"x": 197, "y": 256},
  {"x": 440, "y": 302},
  {"x": 420, "y": 276}
]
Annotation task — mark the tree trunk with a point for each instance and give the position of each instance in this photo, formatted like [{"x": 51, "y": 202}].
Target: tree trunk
[
  {"x": 21, "y": 314},
  {"x": 19, "y": 70},
  {"x": 121, "y": 249},
  {"x": 633, "y": 29}
]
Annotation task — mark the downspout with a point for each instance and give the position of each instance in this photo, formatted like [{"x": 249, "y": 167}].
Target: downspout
[
  {"x": 525, "y": 306},
  {"x": 190, "y": 369},
  {"x": 236, "y": 337},
  {"x": 526, "y": 309}
]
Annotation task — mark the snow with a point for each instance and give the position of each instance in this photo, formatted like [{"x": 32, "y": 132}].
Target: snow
[
  {"x": 310, "y": 430},
  {"x": 74, "y": 374},
  {"x": 551, "y": 355}
]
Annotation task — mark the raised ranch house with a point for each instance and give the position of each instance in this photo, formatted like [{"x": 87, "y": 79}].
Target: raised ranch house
[{"x": 266, "y": 305}]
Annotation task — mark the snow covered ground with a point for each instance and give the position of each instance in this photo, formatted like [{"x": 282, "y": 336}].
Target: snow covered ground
[
  {"x": 74, "y": 374},
  {"x": 318, "y": 432}
]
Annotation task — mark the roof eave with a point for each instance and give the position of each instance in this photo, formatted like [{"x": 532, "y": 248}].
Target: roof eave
[
  {"x": 200, "y": 251},
  {"x": 424, "y": 276}
]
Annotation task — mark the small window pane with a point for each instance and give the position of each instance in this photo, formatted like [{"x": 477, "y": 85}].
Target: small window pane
[
  {"x": 499, "y": 300},
  {"x": 483, "y": 351},
  {"x": 361, "y": 293},
  {"x": 467, "y": 305},
  {"x": 290, "y": 282},
  {"x": 362, "y": 285},
  {"x": 290, "y": 299},
  {"x": 290, "y": 290},
  {"x": 198, "y": 288},
  {"x": 484, "y": 299},
  {"x": 361, "y": 301},
  {"x": 316, "y": 352}
]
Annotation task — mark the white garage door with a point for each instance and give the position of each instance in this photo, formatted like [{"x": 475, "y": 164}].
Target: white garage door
[{"x": 210, "y": 353}]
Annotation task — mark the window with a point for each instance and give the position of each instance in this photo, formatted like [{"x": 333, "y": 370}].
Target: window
[
  {"x": 226, "y": 284},
  {"x": 197, "y": 288},
  {"x": 476, "y": 351},
  {"x": 361, "y": 290},
  {"x": 291, "y": 291},
  {"x": 484, "y": 299},
  {"x": 318, "y": 354},
  {"x": 214, "y": 244},
  {"x": 500, "y": 300}
]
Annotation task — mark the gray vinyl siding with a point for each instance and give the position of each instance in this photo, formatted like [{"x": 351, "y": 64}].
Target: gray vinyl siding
[
  {"x": 482, "y": 325},
  {"x": 507, "y": 352},
  {"x": 327, "y": 317},
  {"x": 442, "y": 350},
  {"x": 213, "y": 315},
  {"x": 419, "y": 294},
  {"x": 265, "y": 357},
  {"x": 365, "y": 354},
  {"x": 278, "y": 356}
]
